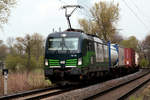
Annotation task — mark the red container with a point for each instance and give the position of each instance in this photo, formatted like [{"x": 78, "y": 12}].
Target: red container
[{"x": 129, "y": 57}]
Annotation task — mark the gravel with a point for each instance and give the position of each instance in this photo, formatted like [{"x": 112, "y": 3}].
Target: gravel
[{"x": 83, "y": 93}]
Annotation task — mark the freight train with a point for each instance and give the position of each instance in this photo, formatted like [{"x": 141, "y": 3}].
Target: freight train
[{"x": 73, "y": 55}]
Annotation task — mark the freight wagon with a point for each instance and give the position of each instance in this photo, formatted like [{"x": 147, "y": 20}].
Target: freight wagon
[{"x": 129, "y": 57}]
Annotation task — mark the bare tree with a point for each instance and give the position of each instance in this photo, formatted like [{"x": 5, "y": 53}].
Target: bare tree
[
  {"x": 30, "y": 46},
  {"x": 146, "y": 47},
  {"x": 5, "y": 9},
  {"x": 38, "y": 47},
  {"x": 104, "y": 17},
  {"x": 3, "y": 50},
  {"x": 25, "y": 44}
]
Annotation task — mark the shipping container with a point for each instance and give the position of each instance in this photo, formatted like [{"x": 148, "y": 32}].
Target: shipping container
[
  {"x": 136, "y": 59},
  {"x": 129, "y": 57},
  {"x": 121, "y": 57},
  {"x": 114, "y": 55}
]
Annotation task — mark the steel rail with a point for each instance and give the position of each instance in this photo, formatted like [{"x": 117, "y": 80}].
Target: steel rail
[
  {"x": 51, "y": 94},
  {"x": 118, "y": 86},
  {"x": 27, "y": 93},
  {"x": 38, "y": 93},
  {"x": 133, "y": 90}
]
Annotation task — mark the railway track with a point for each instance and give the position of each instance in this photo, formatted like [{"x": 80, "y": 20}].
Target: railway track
[
  {"x": 31, "y": 94},
  {"x": 83, "y": 92},
  {"x": 47, "y": 94},
  {"x": 39, "y": 93},
  {"x": 122, "y": 91}
]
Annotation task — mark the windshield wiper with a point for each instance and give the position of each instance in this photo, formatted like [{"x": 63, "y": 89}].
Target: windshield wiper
[
  {"x": 68, "y": 51},
  {"x": 56, "y": 52}
]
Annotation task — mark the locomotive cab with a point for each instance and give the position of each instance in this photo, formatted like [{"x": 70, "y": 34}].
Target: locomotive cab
[{"x": 63, "y": 55}]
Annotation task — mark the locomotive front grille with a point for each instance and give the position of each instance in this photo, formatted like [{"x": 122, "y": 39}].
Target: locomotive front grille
[
  {"x": 53, "y": 62},
  {"x": 71, "y": 62},
  {"x": 68, "y": 62}
]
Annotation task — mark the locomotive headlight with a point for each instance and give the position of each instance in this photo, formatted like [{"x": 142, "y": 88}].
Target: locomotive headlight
[
  {"x": 46, "y": 62},
  {"x": 80, "y": 61},
  {"x": 62, "y": 62},
  {"x": 63, "y": 35}
]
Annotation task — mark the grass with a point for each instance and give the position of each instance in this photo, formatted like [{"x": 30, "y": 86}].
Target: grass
[
  {"x": 1, "y": 83},
  {"x": 136, "y": 98},
  {"x": 145, "y": 95},
  {"x": 19, "y": 82}
]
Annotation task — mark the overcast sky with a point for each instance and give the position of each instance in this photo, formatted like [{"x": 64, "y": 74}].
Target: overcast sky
[{"x": 41, "y": 16}]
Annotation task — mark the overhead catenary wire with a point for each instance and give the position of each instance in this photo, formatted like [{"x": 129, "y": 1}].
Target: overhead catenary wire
[
  {"x": 63, "y": 2},
  {"x": 86, "y": 8},
  {"x": 139, "y": 10},
  {"x": 138, "y": 18}
]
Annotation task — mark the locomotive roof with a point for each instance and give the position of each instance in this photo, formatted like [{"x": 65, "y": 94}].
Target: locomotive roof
[
  {"x": 75, "y": 34},
  {"x": 58, "y": 34},
  {"x": 71, "y": 34}
]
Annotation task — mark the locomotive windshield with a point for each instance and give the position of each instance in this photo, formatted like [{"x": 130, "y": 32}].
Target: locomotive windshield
[{"x": 63, "y": 44}]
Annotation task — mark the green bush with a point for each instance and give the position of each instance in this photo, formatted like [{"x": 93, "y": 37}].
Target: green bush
[
  {"x": 14, "y": 62},
  {"x": 19, "y": 63},
  {"x": 144, "y": 63},
  {"x": 136, "y": 98},
  {"x": 40, "y": 62}
]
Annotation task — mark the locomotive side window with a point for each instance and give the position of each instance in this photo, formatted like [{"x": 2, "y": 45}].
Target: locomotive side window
[
  {"x": 99, "y": 52},
  {"x": 105, "y": 52},
  {"x": 89, "y": 46}
]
